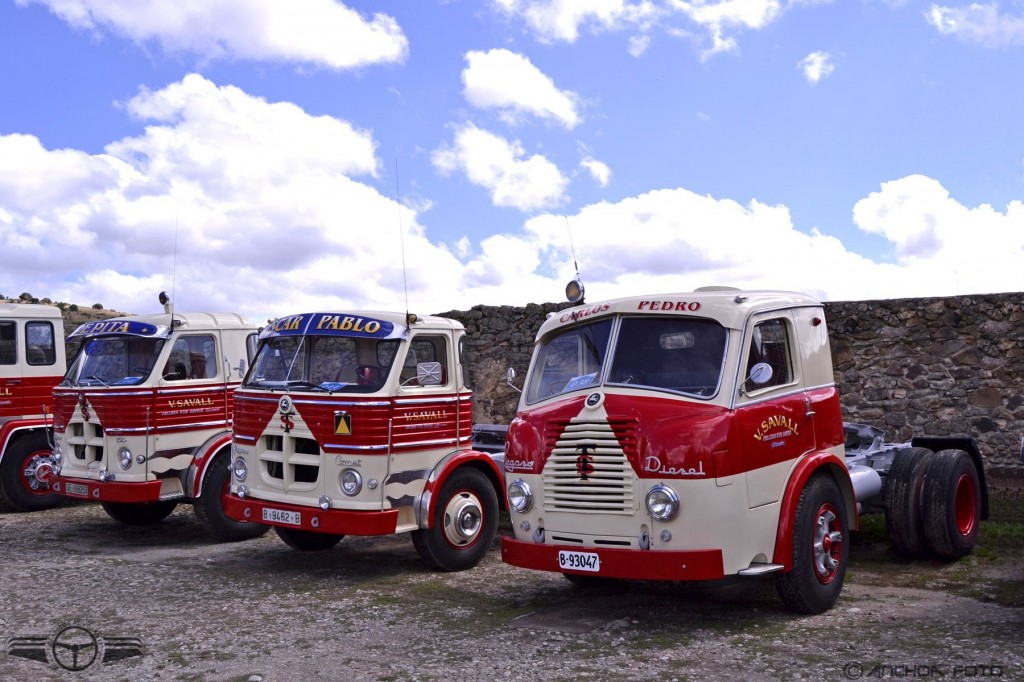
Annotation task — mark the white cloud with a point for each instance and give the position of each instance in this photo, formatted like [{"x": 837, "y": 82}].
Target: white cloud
[
  {"x": 553, "y": 20},
  {"x": 598, "y": 170},
  {"x": 501, "y": 79},
  {"x": 978, "y": 23},
  {"x": 815, "y": 66},
  {"x": 322, "y": 32},
  {"x": 943, "y": 246},
  {"x": 252, "y": 205},
  {"x": 501, "y": 167}
]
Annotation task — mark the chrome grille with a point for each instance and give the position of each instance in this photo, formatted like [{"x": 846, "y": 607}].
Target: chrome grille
[{"x": 606, "y": 486}]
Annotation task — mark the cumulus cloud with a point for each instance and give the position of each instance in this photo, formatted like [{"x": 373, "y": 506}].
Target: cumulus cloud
[
  {"x": 978, "y": 23},
  {"x": 598, "y": 170},
  {"x": 815, "y": 66},
  {"x": 503, "y": 169},
  {"x": 561, "y": 20},
  {"x": 503, "y": 80},
  {"x": 240, "y": 218},
  {"x": 321, "y": 32},
  {"x": 942, "y": 245},
  {"x": 714, "y": 24}
]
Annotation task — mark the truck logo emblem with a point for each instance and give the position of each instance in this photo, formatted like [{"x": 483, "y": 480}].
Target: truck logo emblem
[
  {"x": 84, "y": 405},
  {"x": 342, "y": 424},
  {"x": 287, "y": 423},
  {"x": 584, "y": 463}
]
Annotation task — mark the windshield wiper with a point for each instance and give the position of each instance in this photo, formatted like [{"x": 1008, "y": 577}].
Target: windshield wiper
[
  {"x": 96, "y": 378},
  {"x": 306, "y": 384}
]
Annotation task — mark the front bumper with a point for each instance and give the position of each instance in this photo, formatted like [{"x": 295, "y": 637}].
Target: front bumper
[
  {"x": 106, "y": 491},
  {"x": 633, "y": 564},
  {"x": 314, "y": 519}
]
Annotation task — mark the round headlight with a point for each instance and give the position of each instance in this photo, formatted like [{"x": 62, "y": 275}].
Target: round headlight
[
  {"x": 239, "y": 468},
  {"x": 351, "y": 482},
  {"x": 662, "y": 503},
  {"x": 124, "y": 456},
  {"x": 58, "y": 454},
  {"x": 520, "y": 497}
]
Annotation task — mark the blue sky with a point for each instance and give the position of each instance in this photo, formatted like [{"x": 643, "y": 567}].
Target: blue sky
[{"x": 275, "y": 157}]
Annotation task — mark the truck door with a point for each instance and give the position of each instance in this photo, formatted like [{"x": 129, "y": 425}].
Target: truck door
[
  {"x": 772, "y": 416},
  {"x": 10, "y": 370}
]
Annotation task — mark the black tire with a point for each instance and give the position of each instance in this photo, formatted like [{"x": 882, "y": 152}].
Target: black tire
[
  {"x": 952, "y": 504},
  {"x": 20, "y": 490},
  {"x": 307, "y": 540},
  {"x": 139, "y": 513},
  {"x": 464, "y": 524},
  {"x": 209, "y": 506},
  {"x": 821, "y": 549},
  {"x": 903, "y": 516}
]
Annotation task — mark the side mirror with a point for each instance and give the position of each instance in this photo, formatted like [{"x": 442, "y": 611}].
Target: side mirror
[
  {"x": 761, "y": 373},
  {"x": 510, "y": 377},
  {"x": 429, "y": 374}
]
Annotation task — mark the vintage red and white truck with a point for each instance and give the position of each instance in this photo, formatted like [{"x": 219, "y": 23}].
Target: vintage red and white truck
[
  {"x": 32, "y": 362},
  {"x": 360, "y": 423},
  {"x": 142, "y": 419},
  {"x": 697, "y": 436}
]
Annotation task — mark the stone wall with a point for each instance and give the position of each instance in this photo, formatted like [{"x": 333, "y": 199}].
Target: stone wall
[{"x": 935, "y": 366}]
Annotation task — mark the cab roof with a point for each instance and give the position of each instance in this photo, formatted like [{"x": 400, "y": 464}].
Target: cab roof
[
  {"x": 159, "y": 324},
  {"x": 360, "y": 323},
  {"x": 29, "y": 311},
  {"x": 729, "y": 307}
]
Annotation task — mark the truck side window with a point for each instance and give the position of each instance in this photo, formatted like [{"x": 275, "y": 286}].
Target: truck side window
[
  {"x": 192, "y": 357},
  {"x": 770, "y": 344},
  {"x": 39, "y": 340},
  {"x": 425, "y": 349},
  {"x": 8, "y": 343}
]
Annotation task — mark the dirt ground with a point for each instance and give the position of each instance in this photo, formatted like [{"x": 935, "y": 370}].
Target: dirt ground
[{"x": 78, "y": 590}]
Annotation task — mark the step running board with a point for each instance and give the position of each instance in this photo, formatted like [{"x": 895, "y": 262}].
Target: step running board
[{"x": 760, "y": 569}]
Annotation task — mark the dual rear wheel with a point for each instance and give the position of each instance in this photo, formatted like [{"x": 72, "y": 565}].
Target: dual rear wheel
[{"x": 933, "y": 503}]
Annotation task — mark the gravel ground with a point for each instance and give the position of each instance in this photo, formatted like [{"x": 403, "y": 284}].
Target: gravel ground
[{"x": 176, "y": 606}]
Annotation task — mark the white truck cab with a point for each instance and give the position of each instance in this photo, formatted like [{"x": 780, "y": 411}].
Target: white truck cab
[
  {"x": 360, "y": 423},
  {"x": 143, "y": 416}
]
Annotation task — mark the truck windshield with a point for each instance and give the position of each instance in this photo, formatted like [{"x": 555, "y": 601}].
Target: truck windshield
[
  {"x": 684, "y": 355},
  {"x": 113, "y": 361},
  {"x": 569, "y": 361},
  {"x": 334, "y": 364}
]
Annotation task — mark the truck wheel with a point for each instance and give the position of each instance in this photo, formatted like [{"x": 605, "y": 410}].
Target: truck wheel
[
  {"x": 20, "y": 488},
  {"x": 951, "y": 504},
  {"x": 307, "y": 540},
  {"x": 464, "y": 524},
  {"x": 820, "y": 549},
  {"x": 209, "y": 506},
  {"x": 903, "y": 516},
  {"x": 139, "y": 513}
]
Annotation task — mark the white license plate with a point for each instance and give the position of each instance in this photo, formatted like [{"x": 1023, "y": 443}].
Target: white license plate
[
  {"x": 77, "y": 489},
  {"x": 282, "y": 516},
  {"x": 579, "y": 561}
]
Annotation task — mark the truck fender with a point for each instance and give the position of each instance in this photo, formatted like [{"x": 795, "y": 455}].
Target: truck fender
[
  {"x": 802, "y": 472},
  {"x": 16, "y": 428},
  {"x": 427, "y": 501},
  {"x": 968, "y": 445},
  {"x": 201, "y": 459}
]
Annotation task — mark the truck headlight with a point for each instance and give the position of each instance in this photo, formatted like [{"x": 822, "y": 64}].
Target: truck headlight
[
  {"x": 124, "y": 457},
  {"x": 58, "y": 454},
  {"x": 239, "y": 468},
  {"x": 662, "y": 502},
  {"x": 520, "y": 497},
  {"x": 351, "y": 482}
]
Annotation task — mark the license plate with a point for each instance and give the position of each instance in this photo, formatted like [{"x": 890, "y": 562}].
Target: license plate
[
  {"x": 579, "y": 561},
  {"x": 77, "y": 489},
  {"x": 282, "y": 516}
]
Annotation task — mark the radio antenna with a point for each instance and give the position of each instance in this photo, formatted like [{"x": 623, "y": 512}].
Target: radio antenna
[{"x": 401, "y": 241}]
